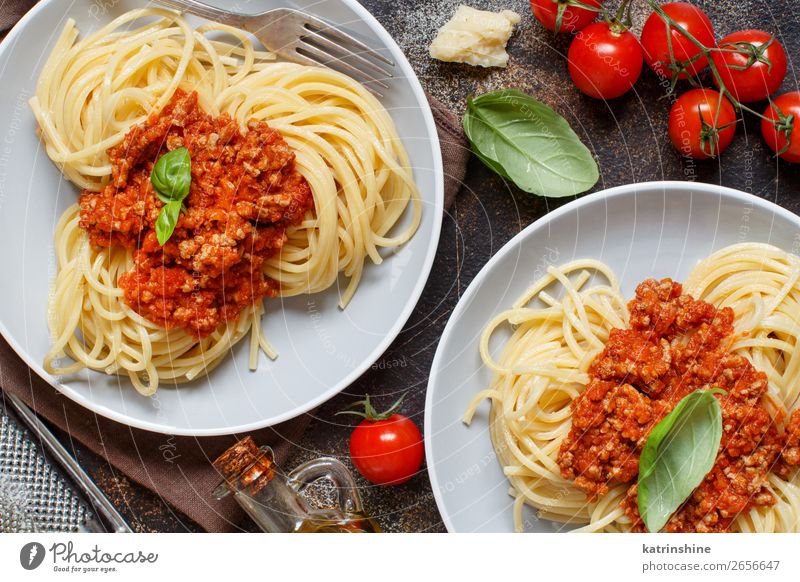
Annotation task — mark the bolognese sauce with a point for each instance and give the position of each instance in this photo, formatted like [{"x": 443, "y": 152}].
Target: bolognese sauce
[
  {"x": 674, "y": 346},
  {"x": 245, "y": 192}
]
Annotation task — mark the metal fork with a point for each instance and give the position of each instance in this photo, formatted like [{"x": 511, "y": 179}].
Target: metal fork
[{"x": 301, "y": 38}]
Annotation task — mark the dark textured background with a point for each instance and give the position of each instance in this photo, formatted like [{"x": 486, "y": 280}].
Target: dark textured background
[{"x": 628, "y": 138}]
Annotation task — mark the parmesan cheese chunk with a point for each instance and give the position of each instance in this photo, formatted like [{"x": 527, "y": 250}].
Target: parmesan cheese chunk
[{"x": 475, "y": 37}]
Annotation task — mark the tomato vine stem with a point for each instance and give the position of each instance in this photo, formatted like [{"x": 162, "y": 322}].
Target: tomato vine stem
[
  {"x": 564, "y": 4},
  {"x": 706, "y": 51}
]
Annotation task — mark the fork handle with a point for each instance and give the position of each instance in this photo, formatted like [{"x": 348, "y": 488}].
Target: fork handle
[{"x": 207, "y": 12}]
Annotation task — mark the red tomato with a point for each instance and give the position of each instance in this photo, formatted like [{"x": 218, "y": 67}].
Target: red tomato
[
  {"x": 764, "y": 70},
  {"x": 695, "y": 128},
  {"x": 573, "y": 19},
  {"x": 787, "y": 105},
  {"x": 654, "y": 39},
  {"x": 387, "y": 452},
  {"x": 604, "y": 63}
]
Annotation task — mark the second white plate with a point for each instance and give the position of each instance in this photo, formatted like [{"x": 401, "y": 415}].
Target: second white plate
[{"x": 656, "y": 229}]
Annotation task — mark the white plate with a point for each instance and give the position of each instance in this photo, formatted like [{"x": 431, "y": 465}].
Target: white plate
[
  {"x": 322, "y": 349},
  {"x": 656, "y": 229}
]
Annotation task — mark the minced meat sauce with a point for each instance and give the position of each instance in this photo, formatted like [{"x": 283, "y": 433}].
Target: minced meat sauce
[
  {"x": 245, "y": 192},
  {"x": 674, "y": 346}
]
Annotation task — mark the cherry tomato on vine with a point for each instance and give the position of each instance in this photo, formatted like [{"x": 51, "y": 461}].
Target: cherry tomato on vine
[
  {"x": 701, "y": 124},
  {"x": 755, "y": 74},
  {"x": 604, "y": 60},
  {"x": 386, "y": 447},
  {"x": 656, "y": 46},
  {"x": 786, "y": 137},
  {"x": 573, "y": 17}
]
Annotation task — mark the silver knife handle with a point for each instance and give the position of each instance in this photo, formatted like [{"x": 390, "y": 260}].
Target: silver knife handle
[{"x": 70, "y": 465}]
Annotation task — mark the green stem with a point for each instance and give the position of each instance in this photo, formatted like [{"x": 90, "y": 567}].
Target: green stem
[
  {"x": 706, "y": 51},
  {"x": 564, "y": 4},
  {"x": 620, "y": 16},
  {"x": 579, "y": 4}
]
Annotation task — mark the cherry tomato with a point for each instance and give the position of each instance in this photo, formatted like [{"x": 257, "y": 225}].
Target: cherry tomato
[
  {"x": 656, "y": 48},
  {"x": 753, "y": 76},
  {"x": 788, "y": 105},
  {"x": 574, "y": 18},
  {"x": 386, "y": 448},
  {"x": 604, "y": 63},
  {"x": 696, "y": 129}
]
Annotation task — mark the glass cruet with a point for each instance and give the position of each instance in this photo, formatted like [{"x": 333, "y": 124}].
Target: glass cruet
[{"x": 276, "y": 502}]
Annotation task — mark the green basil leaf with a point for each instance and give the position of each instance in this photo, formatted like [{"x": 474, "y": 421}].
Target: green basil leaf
[
  {"x": 164, "y": 199},
  {"x": 166, "y": 221},
  {"x": 678, "y": 454},
  {"x": 172, "y": 175},
  {"x": 535, "y": 147},
  {"x": 489, "y": 163}
]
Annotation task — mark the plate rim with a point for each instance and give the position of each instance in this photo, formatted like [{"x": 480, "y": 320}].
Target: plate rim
[
  {"x": 702, "y": 188},
  {"x": 437, "y": 210}
]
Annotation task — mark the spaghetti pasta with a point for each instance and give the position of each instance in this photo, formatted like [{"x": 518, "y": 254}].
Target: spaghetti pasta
[
  {"x": 561, "y": 324},
  {"x": 92, "y": 91}
]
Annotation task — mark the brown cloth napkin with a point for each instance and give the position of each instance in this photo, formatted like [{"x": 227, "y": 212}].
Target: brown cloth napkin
[
  {"x": 179, "y": 469},
  {"x": 11, "y": 11}
]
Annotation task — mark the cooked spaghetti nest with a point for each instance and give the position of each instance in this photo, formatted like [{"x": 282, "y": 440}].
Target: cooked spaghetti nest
[
  {"x": 92, "y": 91},
  {"x": 562, "y": 322}
]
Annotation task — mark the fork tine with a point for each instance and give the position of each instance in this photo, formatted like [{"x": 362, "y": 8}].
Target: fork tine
[
  {"x": 293, "y": 56},
  {"x": 315, "y": 25},
  {"x": 334, "y": 62},
  {"x": 332, "y": 48}
]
